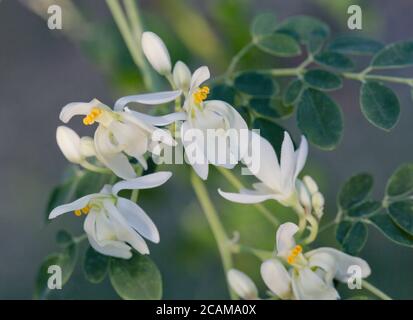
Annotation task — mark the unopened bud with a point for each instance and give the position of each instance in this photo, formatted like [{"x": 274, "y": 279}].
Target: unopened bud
[
  {"x": 181, "y": 76},
  {"x": 310, "y": 184},
  {"x": 303, "y": 195},
  {"x": 243, "y": 286},
  {"x": 318, "y": 204}
]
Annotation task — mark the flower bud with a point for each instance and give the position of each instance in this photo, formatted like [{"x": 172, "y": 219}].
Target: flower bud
[
  {"x": 182, "y": 76},
  {"x": 156, "y": 52},
  {"x": 310, "y": 184},
  {"x": 243, "y": 286},
  {"x": 303, "y": 195},
  {"x": 318, "y": 204},
  {"x": 69, "y": 143}
]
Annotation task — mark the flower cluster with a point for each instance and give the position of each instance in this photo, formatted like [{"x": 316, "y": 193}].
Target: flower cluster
[{"x": 114, "y": 225}]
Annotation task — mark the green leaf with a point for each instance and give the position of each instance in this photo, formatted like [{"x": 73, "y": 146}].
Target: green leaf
[
  {"x": 271, "y": 131},
  {"x": 355, "y": 190},
  {"x": 223, "y": 92},
  {"x": 263, "y": 24},
  {"x": 270, "y": 107},
  {"x": 386, "y": 225},
  {"x": 293, "y": 92},
  {"x": 364, "y": 209},
  {"x": 66, "y": 260},
  {"x": 401, "y": 182},
  {"x": 379, "y": 105},
  {"x": 342, "y": 230},
  {"x": 255, "y": 84},
  {"x": 279, "y": 44},
  {"x": 354, "y": 238},
  {"x": 307, "y": 30},
  {"x": 322, "y": 79},
  {"x": 334, "y": 60},
  {"x": 402, "y": 214},
  {"x": 349, "y": 44},
  {"x": 95, "y": 266},
  {"x": 320, "y": 119},
  {"x": 396, "y": 55},
  {"x": 137, "y": 278},
  {"x": 245, "y": 114}
]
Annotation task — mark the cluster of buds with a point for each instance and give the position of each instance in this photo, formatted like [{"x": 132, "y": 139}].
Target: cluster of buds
[{"x": 310, "y": 197}]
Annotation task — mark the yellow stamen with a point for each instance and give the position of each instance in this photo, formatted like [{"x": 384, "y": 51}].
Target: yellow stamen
[
  {"x": 78, "y": 213},
  {"x": 201, "y": 94},
  {"x": 86, "y": 209},
  {"x": 91, "y": 117},
  {"x": 294, "y": 253}
]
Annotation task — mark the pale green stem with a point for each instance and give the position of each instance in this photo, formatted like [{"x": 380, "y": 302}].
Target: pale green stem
[
  {"x": 260, "y": 254},
  {"x": 80, "y": 238},
  {"x": 217, "y": 228},
  {"x": 237, "y": 184},
  {"x": 91, "y": 167},
  {"x": 235, "y": 60},
  {"x": 327, "y": 226},
  {"x": 314, "y": 229},
  {"x": 377, "y": 292},
  {"x": 132, "y": 43},
  {"x": 362, "y": 77}
]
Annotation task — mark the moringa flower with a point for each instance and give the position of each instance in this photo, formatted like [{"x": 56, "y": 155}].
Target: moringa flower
[
  {"x": 74, "y": 148},
  {"x": 120, "y": 134},
  {"x": 156, "y": 52},
  {"x": 243, "y": 286},
  {"x": 310, "y": 275},
  {"x": 114, "y": 224},
  {"x": 278, "y": 179}
]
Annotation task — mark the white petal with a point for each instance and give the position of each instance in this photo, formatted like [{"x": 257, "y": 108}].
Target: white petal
[
  {"x": 243, "y": 286},
  {"x": 145, "y": 182},
  {"x": 201, "y": 169},
  {"x": 69, "y": 143},
  {"x": 87, "y": 147},
  {"x": 245, "y": 197},
  {"x": 75, "y": 205},
  {"x": 117, "y": 162},
  {"x": 147, "y": 98},
  {"x": 277, "y": 278},
  {"x": 158, "y": 120},
  {"x": 343, "y": 262},
  {"x": 288, "y": 164},
  {"x": 324, "y": 261},
  {"x": 285, "y": 238},
  {"x": 301, "y": 156},
  {"x": 262, "y": 161},
  {"x": 307, "y": 285},
  {"x": 182, "y": 76},
  {"x": 200, "y": 75},
  {"x": 123, "y": 231},
  {"x": 156, "y": 52},
  {"x": 80, "y": 108},
  {"x": 138, "y": 219}
]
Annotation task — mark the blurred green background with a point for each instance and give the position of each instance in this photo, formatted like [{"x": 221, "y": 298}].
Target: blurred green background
[{"x": 41, "y": 70}]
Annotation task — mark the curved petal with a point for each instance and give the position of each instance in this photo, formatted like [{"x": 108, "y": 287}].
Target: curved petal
[
  {"x": 343, "y": 262},
  {"x": 252, "y": 197},
  {"x": 158, "y": 120},
  {"x": 181, "y": 76},
  {"x": 156, "y": 52},
  {"x": 123, "y": 231},
  {"x": 301, "y": 156},
  {"x": 307, "y": 285},
  {"x": 262, "y": 161},
  {"x": 117, "y": 162},
  {"x": 138, "y": 219},
  {"x": 243, "y": 286},
  {"x": 69, "y": 143},
  {"x": 75, "y": 205},
  {"x": 277, "y": 278},
  {"x": 199, "y": 76},
  {"x": 324, "y": 261},
  {"x": 147, "y": 98},
  {"x": 288, "y": 163},
  {"x": 145, "y": 182},
  {"x": 80, "y": 108},
  {"x": 285, "y": 238}
]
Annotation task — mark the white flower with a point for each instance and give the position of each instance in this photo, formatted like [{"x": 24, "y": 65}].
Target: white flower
[
  {"x": 120, "y": 134},
  {"x": 310, "y": 275},
  {"x": 278, "y": 179},
  {"x": 74, "y": 148},
  {"x": 243, "y": 286},
  {"x": 181, "y": 76},
  {"x": 113, "y": 224},
  {"x": 156, "y": 52}
]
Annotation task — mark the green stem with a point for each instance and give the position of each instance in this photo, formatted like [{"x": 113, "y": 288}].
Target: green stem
[
  {"x": 314, "y": 229},
  {"x": 91, "y": 167},
  {"x": 377, "y": 292},
  {"x": 214, "y": 222},
  {"x": 132, "y": 43},
  {"x": 235, "y": 60},
  {"x": 327, "y": 226},
  {"x": 362, "y": 77},
  {"x": 260, "y": 254},
  {"x": 237, "y": 184},
  {"x": 80, "y": 238}
]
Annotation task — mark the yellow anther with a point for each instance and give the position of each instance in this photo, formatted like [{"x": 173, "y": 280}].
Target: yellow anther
[
  {"x": 78, "y": 213},
  {"x": 86, "y": 210},
  {"x": 201, "y": 94},
  {"x": 90, "y": 118},
  {"x": 294, "y": 253}
]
